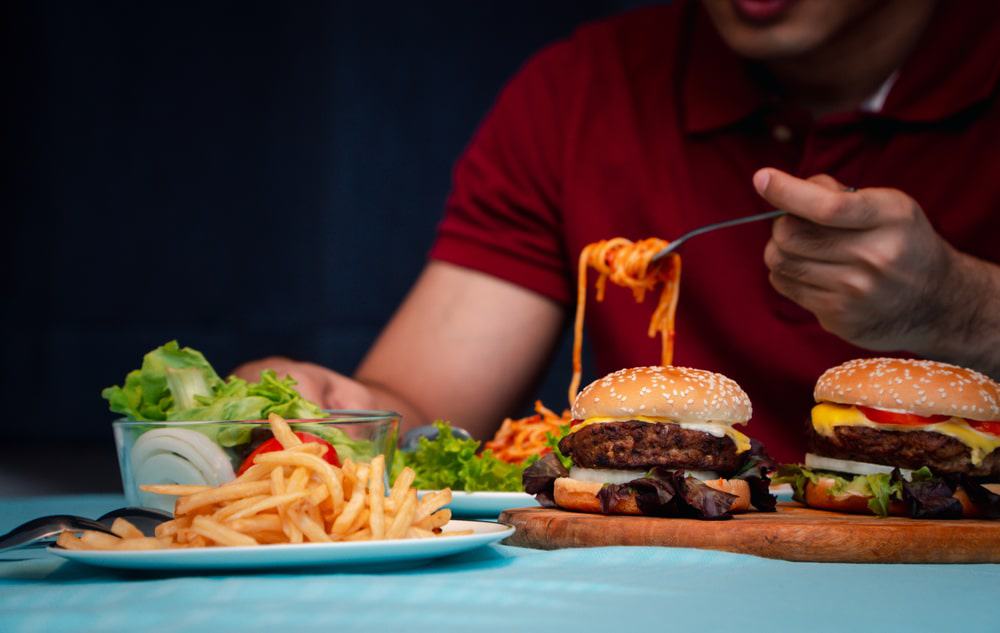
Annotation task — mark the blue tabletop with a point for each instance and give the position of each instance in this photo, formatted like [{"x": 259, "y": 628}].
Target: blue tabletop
[{"x": 499, "y": 588}]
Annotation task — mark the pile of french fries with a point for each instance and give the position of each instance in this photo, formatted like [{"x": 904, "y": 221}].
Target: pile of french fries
[{"x": 287, "y": 496}]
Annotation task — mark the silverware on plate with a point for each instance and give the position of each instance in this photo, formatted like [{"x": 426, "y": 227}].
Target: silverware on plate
[{"x": 39, "y": 532}]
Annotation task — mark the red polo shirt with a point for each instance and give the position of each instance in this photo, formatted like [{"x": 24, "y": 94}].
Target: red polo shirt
[{"x": 648, "y": 125}]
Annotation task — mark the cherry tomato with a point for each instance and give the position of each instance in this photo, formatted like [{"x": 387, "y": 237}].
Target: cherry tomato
[
  {"x": 274, "y": 445},
  {"x": 986, "y": 427},
  {"x": 892, "y": 417}
]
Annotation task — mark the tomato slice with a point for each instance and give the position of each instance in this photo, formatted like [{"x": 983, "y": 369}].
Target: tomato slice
[
  {"x": 892, "y": 417},
  {"x": 575, "y": 422},
  {"x": 274, "y": 445},
  {"x": 986, "y": 427}
]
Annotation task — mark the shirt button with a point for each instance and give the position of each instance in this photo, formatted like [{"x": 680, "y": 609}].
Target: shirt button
[{"x": 781, "y": 133}]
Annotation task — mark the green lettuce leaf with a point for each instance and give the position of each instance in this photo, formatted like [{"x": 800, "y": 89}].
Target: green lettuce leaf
[
  {"x": 448, "y": 461},
  {"x": 179, "y": 384},
  {"x": 882, "y": 487},
  {"x": 171, "y": 378},
  {"x": 553, "y": 443}
]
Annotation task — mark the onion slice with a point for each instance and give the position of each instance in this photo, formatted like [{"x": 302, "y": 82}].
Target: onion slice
[
  {"x": 177, "y": 456},
  {"x": 614, "y": 476},
  {"x": 818, "y": 462}
]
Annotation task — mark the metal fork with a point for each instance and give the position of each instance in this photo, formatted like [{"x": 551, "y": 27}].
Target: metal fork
[
  {"x": 43, "y": 529},
  {"x": 675, "y": 244}
]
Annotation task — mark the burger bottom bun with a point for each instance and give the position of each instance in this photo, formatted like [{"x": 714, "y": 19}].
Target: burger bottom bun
[
  {"x": 581, "y": 496},
  {"x": 819, "y": 495}
]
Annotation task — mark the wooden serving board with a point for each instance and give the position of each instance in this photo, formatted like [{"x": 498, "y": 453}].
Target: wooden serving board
[{"x": 792, "y": 533}]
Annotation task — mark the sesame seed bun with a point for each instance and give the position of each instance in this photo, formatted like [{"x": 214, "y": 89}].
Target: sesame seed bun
[
  {"x": 922, "y": 387},
  {"x": 679, "y": 394}
]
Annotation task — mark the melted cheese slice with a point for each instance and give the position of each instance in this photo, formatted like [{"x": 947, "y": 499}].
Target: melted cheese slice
[
  {"x": 741, "y": 441},
  {"x": 826, "y": 416}
]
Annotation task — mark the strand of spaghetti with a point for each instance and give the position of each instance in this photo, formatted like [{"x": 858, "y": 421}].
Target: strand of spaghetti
[{"x": 627, "y": 264}]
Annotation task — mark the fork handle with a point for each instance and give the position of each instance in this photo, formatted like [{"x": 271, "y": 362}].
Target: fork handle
[{"x": 670, "y": 248}]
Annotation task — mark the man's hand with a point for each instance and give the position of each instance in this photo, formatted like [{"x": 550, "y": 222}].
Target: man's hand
[
  {"x": 873, "y": 270},
  {"x": 323, "y": 386}
]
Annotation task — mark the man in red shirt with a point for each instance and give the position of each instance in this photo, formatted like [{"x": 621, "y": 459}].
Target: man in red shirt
[{"x": 873, "y": 122}]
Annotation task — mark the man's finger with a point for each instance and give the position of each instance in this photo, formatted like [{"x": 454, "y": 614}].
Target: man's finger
[
  {"x": 839, "y": 278},
  {"x": 815, "y": 201},
  {"x": 827, "y": 182},
  {"x": 803, "y": 238}
]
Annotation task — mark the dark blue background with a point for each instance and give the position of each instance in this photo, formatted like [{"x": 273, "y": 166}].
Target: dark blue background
[{"x": 250, "y": 178}]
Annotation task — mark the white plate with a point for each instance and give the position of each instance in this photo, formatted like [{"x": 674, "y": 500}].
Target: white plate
[
  {"x": 485, "y": 504},
  {"x": 349, "y": 554}
]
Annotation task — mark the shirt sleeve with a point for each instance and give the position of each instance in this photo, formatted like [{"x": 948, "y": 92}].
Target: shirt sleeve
[{"x": 503, "y": 216}]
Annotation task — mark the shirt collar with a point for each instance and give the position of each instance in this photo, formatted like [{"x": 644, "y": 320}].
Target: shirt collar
[{"x": 955, "y": 65}]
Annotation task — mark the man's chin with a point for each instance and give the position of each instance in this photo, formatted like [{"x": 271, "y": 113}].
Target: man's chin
[{"x": 779, "y": 29}]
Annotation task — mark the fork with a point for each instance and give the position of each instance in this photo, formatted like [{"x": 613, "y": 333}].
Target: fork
[
  {"x": 675, "y": 244},
  {"x": 43, "y": 529}
]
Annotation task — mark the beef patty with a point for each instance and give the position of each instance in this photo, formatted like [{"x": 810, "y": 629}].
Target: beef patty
[
  {"x": 903, "y": 449},
  {"x": 642, "y": 445}
]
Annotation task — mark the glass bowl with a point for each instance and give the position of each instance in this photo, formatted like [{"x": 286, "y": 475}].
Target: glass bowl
[{"x": 211, "y": 453}]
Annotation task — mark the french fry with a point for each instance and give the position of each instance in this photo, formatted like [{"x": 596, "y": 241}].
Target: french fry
[
  {"x": 359, "y": 522},
  {"x": 68, "y": 540},
  {"x": 318, "y": 494},
  {"x": 376, "y": 497},
  {"x": 282, "y": 432},
  {"x": 259, "y": 523},
  {"x": 311, "y": 529},
  {"x": 404, "y": 518},
  {"x": 278, "y": 480},
  {"x": 298, "y": 480},
  {"x": 361, "y": 535},
  {"x": 225, "y": 493},
  {"x": 311, "y": 448},
  {"x": 325, "y": 471},
  {"x": 143, "y": 543},
  {"x": 170, "y": 528},
  {"x": 226, "y": 513},
  {"x": 435, "y": 520},
  {"x": 279, "y": 487},
  {"x": 126, "y": 530},
  {"x": 171, "y": 489},
  {"x": 257, "y": 472},
  {"x": 354, "y": 506},
  {"x": 271, "y": 538},
  {"x": 98, "y": 540},
  {"x": 267, "y": 503},
  {"x": 215, "y": 531},
  {"x": 403, "y": 482},
  {"x": 457, "y": 533},
  {"x": 197, "y": 541},
  {"x": 431, "y": 502},
  {"x": 416, "y": 532}
]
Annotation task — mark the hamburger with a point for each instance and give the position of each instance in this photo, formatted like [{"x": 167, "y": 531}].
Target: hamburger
[
  {"x": 656, "y": 441},
  {"x": 900, "y": 436}
]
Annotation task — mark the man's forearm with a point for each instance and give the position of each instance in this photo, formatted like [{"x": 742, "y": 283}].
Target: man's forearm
[
  {"x": 966, "y": 330},
  {"x": 387, "y": 399}
]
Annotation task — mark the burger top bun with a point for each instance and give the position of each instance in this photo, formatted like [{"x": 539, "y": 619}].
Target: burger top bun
[
  {"x": 678, "y": 394},
  {"x": 923, "y": 387}
]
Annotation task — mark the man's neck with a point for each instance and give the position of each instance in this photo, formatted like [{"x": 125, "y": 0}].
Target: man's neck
[{"x": 840, "y": 75}]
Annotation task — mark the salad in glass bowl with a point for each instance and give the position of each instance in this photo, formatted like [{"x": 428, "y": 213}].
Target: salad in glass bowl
[{"x": 183, "y": 424}]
